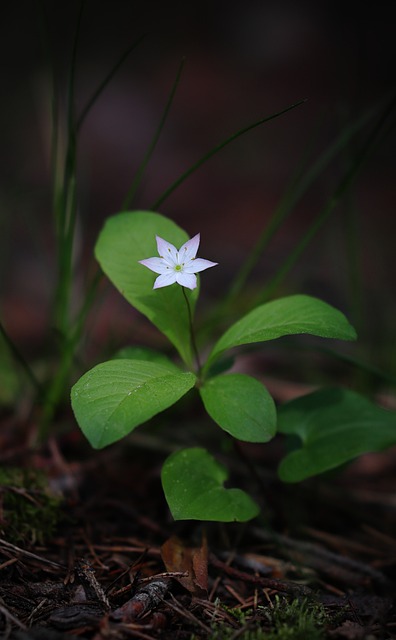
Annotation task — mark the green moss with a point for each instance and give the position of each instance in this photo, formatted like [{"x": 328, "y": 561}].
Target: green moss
[
  {"x": 29, "y": 511},
  {"x": 297, "y": 620},
  {"x": 283, "y": 620}
]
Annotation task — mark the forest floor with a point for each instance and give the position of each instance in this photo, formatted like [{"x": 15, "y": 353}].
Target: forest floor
[{"x": 88, "y": 549}]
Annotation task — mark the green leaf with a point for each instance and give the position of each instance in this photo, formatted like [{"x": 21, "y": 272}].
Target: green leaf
[
  {"x": 114, "y": 397},
  {"x": 193, "y": 485},
  {"x": 286, "y": 316},
  {"x": 146, "y": 354},
  {"x": 240, "y": 405},
  {"x": 334, "y": 426},
  {"x": 124, "y": 240}
]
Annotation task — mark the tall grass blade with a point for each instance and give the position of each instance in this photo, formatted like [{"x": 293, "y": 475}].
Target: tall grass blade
[
  {"x": 298, "y": 186},
  {"x": 54, "y": 150},
  {"x": 216, "y": 149},
  {"x": 139, "y": 173},
  {"x": 342, "y": 187},
  {"x": 89, "y": 298},
  {"x": 374, "y": 372},
  {"x": 66, "y": 218},
  {"x": 102, "y": 86}
]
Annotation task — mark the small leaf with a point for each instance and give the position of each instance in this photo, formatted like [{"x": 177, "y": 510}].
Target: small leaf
[
  {"x": 147, "y": 354},
  {"x": 334, "y": 426},
  {"x": 193, "y": 561},
  {"x": 193, "y": 485},
  {"x": 286, "y": 316},
  {"x": 114, "y": 397},
  {"x": 124, "y": 240},
  {"x": 240, "y": 405}
]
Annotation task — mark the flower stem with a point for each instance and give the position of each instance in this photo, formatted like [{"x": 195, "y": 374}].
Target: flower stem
[{"x": 192, "y": 333}]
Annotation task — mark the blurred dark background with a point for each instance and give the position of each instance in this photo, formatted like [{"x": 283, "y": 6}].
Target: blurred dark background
[{"x": 244, "y": 60}]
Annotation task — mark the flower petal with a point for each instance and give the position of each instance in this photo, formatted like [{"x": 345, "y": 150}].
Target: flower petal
[
  {"x": 165, "y": 279},
  {"x": 189, "y": 249},
  {"x": 177, "y": 266},
  {"x": 167, "y": 251},
  {"x": 199, "y": 264},
  {"x": 158, "y": 265},
  {"x": 186, "y": 279}
]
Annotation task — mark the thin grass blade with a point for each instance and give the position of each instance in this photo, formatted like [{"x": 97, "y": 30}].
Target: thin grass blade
[
  {"x": 102, "y": 86},
  {"x": 139, "y": 173},
  {"x": 342, "y": 187},
  {"x": 218, "y": 148}
]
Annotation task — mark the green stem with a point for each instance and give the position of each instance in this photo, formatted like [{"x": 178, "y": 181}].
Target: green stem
[
  {"x": 60, "y": 380},
  {"x": 192, "y": 334},
  {"x": 56, "y": 389},
  {"x": 89, "y": 298}
]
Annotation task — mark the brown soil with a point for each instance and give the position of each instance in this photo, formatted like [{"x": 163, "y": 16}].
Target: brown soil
[{"x": 116, "y": 566}]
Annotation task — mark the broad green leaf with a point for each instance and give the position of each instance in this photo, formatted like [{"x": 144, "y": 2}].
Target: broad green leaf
[
  {"x": 124, "y": 240},
  {"x": 240, "y": 405},
  {"x": 286, "y": 316},
  {"x": 334, "y": 426},
  {"x": 114, "y": 397},
  {"x": 147, "y": 354},
  {"x": 193, "y": 485}
]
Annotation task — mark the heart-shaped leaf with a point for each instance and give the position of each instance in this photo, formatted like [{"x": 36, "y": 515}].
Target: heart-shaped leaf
[
  {"x": 193, "y": 485},
  {"x": 334, "y": 426},
  {"x": 114, "y": 397},
  {"x": 124, "y": 240},
  {"x": 286, "y": 316},
  {"x": 240, "y": 405}
]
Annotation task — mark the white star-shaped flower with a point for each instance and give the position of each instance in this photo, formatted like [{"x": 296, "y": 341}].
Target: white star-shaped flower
[{"x": 177, "y": 266}]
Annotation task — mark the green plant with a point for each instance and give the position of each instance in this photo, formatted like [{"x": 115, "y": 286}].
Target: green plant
[
  {"x": 281, "y": 620},
  {"x": 69, "y": 309},
  {"x": 296, "y": 620},
  {"x": 116, "y": 396}
]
